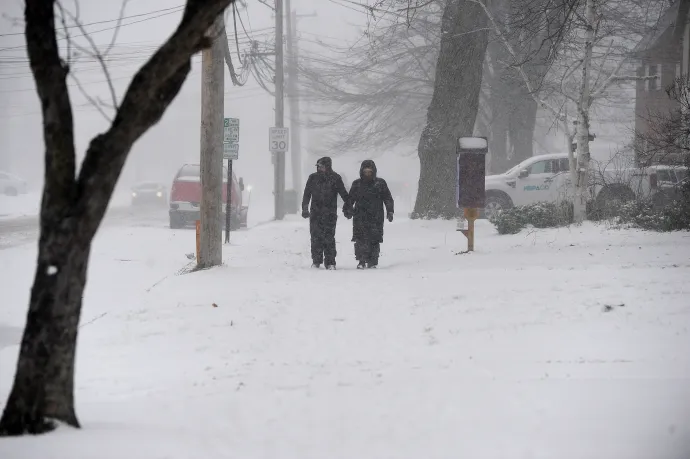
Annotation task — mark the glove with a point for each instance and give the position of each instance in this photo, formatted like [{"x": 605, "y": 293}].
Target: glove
[
  {"x": 305, "y": 214},
  {"x": 347, "y": 213},
  {"x": 390, "y": 216}
]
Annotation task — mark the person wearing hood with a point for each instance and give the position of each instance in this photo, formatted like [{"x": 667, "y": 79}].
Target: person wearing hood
[
  {"x": 322, "y": 189},
  {"x": 368, "y": 197}
]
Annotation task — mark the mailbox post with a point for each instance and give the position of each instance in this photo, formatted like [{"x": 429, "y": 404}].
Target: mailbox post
[{"x": 471, "y": 172}]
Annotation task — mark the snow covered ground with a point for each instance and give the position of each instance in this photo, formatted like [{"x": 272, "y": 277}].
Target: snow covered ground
[
  {"x": 568, "y": 343},
  {"x": 23, "y": 205}
]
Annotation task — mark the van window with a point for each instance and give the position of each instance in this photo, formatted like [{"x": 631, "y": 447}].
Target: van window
[
  {"x": 540, "y": 167},
  {"x": 563, "y": 165},
  {"x": 663, "y": 175}
]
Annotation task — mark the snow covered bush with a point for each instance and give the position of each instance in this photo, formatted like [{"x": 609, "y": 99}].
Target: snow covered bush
[
  {"x": 539, "y": 215},
  {"x": 673, "y": 216}
]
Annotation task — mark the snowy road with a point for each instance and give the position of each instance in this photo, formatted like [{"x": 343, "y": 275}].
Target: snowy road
[
  {"x": 24, "y": 230},
  {"x": 570, "y": 344}
]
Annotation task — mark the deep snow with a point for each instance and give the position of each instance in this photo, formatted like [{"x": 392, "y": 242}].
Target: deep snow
[{"x": 568, "y": 343}]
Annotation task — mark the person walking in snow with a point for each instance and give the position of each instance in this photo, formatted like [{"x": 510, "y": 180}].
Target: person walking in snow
[
  {"x": 322, "y": 189},
  {"x": 368, "y": 197}
]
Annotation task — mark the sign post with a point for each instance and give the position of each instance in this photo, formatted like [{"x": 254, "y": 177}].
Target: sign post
[
  {"x": 471, "y": 172},
  {"x": 231, "y": 151}
]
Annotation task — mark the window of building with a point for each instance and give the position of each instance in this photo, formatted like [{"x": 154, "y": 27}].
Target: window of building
[{"x": 653, "y": 84}]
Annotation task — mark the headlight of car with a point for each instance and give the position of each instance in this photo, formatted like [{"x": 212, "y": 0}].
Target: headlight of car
[
  {"x": 134, "y": 194},
  {"x": 159, "y": 194}
]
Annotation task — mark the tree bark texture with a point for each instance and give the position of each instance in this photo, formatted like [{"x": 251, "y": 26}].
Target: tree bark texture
[
  {"x": 454, "y": 105},
  {"x": 583, "y": 109},
  {"x": 73, "y": 207}
]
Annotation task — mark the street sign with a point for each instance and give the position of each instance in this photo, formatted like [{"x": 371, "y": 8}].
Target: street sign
[
  {"x": 278, "y": 139},
  {"x": 231, "y": 130},
  {"x": 231, "y": 151}
]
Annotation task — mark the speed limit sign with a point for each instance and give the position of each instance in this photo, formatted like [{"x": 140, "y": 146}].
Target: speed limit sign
[{"x": 278, "y": 139}]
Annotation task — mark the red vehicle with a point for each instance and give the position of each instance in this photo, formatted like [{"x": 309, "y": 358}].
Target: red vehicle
[{"x": 185, "y": 198}]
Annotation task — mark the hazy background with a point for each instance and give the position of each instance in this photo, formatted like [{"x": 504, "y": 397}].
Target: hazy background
[{"x": 175, "y": 140}]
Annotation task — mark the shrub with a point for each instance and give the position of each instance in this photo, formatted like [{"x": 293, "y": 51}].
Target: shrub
[
  {"x": 539, "y": 215},
  {"x": 672, "y": 216}
]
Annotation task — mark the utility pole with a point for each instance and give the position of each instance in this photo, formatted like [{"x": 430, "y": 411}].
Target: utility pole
[
  {"x": 211, "y": 161},
  {"x": 294, "y": 98},
  {"x": 279, "y": 162}
]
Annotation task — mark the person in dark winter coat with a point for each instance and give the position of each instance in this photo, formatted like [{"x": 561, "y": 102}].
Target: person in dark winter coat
[
  {"x": 368, "y": 197},
  {"x": 323, "y": 188}
]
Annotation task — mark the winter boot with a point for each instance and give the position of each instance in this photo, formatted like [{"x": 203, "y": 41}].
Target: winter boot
[
  {"x": 330, "y": 267},
  {"x": 372, "y": 265},
  {"x": 361, "y": 265},
  {"x": 316, "y": 265}
]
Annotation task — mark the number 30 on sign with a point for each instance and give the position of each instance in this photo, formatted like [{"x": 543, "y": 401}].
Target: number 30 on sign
[{"x": 278, "y": 139}]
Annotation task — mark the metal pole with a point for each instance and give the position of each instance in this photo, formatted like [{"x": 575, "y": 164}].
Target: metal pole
[
  {"x": 211, "y": 160},
  {"x": 228, "y": 202},
  {"x": 279, "y": 164}
]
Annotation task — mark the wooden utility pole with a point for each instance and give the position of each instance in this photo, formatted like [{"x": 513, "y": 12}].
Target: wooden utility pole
[
  {"x": 293, "y": 94},
  {"x": 279, "y": 162},
  {"x": 212, "y": 101}
]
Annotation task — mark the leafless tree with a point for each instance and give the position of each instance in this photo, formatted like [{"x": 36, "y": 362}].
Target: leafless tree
[
  {"x": 371, "y": 96},
  {"x": 74, "y": 202},
  {"x": 454, "y": 106},
  {"x": 592, "y": 46},
  {"x": 667, "y": 139},
  {"x": 512, "y": 110}
]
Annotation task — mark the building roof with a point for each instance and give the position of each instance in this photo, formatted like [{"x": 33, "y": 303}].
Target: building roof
[{"x": 667, "y": 21}]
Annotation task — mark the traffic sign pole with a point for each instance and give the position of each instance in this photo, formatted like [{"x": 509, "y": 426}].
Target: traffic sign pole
[
  {"x": 228, "y": 204},
  {"x": 231, "y": 151}
]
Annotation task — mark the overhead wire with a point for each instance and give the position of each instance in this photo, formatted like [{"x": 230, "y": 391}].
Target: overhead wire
[{"x": 178, "y": 8}]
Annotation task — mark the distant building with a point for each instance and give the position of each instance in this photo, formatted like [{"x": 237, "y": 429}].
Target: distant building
[{"x": 664, "y": 54}]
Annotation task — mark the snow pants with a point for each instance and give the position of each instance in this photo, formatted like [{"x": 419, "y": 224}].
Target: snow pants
[
  {"x": 322, "y": 229},
  {"x": 367, "y": 251}
]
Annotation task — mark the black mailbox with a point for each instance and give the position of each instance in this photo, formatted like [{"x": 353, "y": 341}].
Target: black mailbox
[{"x": 471, "y": 171}]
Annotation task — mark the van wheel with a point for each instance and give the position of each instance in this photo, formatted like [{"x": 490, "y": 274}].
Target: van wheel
[
  {"x": 495, "y": 204},
  {"x": 610, "y": 199}
]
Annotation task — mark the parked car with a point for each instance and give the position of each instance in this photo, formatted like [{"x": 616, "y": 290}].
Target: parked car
[
  {"x": 546, "y": 178},
  {"x": 185, "y": 198},
  {"x": 669, "y": 192},
  {"x": 11, "y": 185},
  {"x": 149, "y": 193}
]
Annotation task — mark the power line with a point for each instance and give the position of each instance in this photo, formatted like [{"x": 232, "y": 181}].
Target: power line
[
  {"x": 178, "y": 8},
  {"x": 98, "y": 31}
]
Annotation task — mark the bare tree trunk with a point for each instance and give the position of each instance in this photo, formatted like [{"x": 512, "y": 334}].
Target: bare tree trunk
[
  {"x": 583, "y": 106},
  {"x": 453, "y": 107},
  {"x": 73, "y": 207},
  {"x": 523, "y": 120},
  {"x": 499, "y": 107}
]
